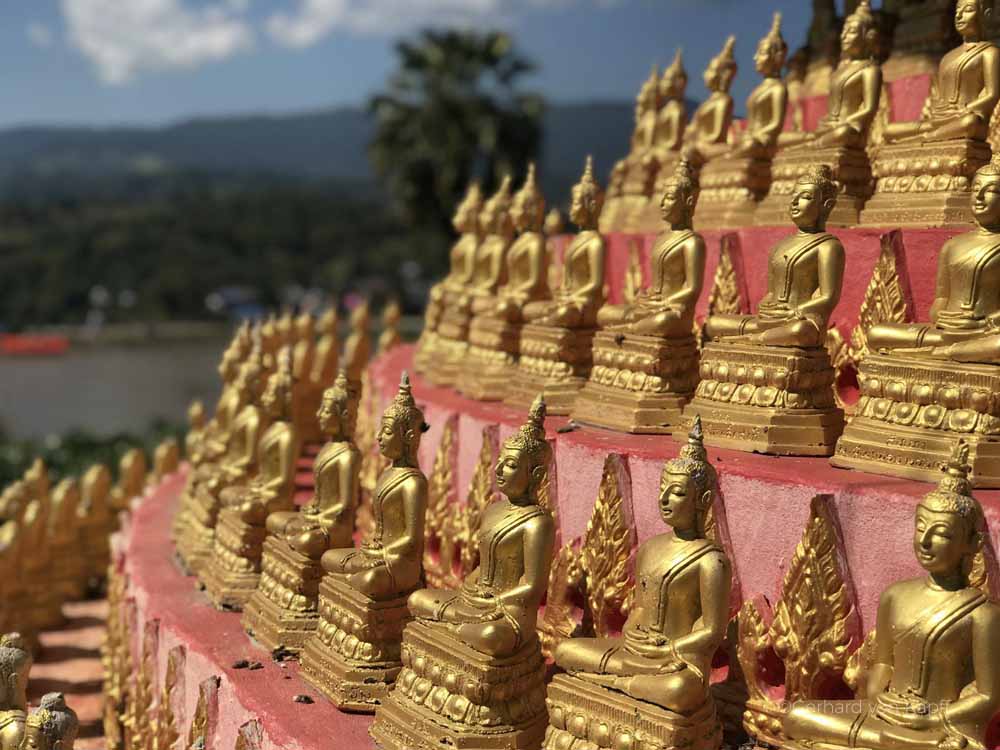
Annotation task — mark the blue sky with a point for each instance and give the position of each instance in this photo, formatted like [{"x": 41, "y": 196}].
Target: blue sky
[{"x": 154, "y": 61}]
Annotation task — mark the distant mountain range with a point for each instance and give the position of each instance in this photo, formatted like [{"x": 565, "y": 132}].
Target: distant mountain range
[{"x": 327, "y": 144}]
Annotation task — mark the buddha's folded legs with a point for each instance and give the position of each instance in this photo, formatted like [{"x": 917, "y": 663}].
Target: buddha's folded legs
[
  {"x": 665, "y": 324},
  {"x": 854, "y": 725},
  {"x": 795, "y": 333},
  {"x": 497, "y": 638},
  {"x": 534, "y": 310},
  {"x": 611, "y": 315},
  {"x": 895, "y": 336},
  {"x": 718, "y": 326},
  {"x": 343, "y": 561},
  {"x": 682, "y": 691},
  {"x": 427, "y": 603},
  {"x": 595, "y": 655}
]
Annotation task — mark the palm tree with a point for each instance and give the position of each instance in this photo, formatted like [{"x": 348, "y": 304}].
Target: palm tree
[{"x": 449, "y": 114}]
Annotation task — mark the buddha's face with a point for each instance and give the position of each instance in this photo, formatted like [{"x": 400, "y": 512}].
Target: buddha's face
[
  {"x": 674, "y": 206},
  {"x": 767, "y": 59},
  {"x": 273, "y": 397},
  {"x": 852, "y": 38},
  {"x": 986, "y": 200},
  {"x": 941, "y": 541},
  {"x": 524, "y": 212},
  {"x": 580, "y": 207},
  {"x": 391, "y": 439},
  {"x": 678, "y": 501},
  {"x": 488, "y": 217},
  {"x": 672, "y": 85},
  {"x": 465, "y": 217},
  {"x": 247, "y": 385},
  {"x": 806, "y": 208},
  {"x": 513, "y": 472},
  {"x": 330, "y": 416},
  {"x": 968, "y": 21},
  {"x": 711, "y": 76}
]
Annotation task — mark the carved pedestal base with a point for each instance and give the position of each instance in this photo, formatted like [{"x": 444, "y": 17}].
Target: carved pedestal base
[
  {"x": 776, "y": 400},
  {"x": 353, "y": 657},
  {"x": 851, "y": 169},
  {"x": 584, "y": 716},
  {"x": 283, "y": 610},
  {"x": 450, "y": 347},
  {"x": 921, "y": 185},
  {"x": 730, "y": 191},
  {"x": 450, "y": 695},
  {"x": 423, "y": 356},
  {"x": 555, "y": 362},
  {"x": 911, "y": 413},
  {"x": 491, "y": 360},
  {"x": 638, "y": 383},
  {"x": 232, "y": 573}
]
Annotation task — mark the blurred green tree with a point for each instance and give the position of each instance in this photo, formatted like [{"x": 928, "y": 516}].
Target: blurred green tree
[{"x": 452, "y": 112}]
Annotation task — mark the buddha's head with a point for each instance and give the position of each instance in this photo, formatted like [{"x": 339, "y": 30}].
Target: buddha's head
[
  {"x": 722, "y": 69},
  {"x": 971, "y": 17},
  {"x": 132, "y": 471},
  {"x": 466, "y": 218},
  {"x": 554, "y": 223},
  {"x": 649, "y": 95},
  {"x": 524, "y": 459},
  {"x": 680, "y": 196},
  {"x": 859, "y": 38},
  {"x": 687, "y": 485},
  {"x": 586, "y": 199},
  {"x": 248, "y": 382},
  {"x": 771, "y": 51},
  {"x": 813, "y": 198},
  {"x": 402, "y": 425},
  {"x": 391, "y": 314},
  {"x": 65, "y": 718},
  {"x": 96, "y": 486},
  {"x": 986, "y": 195},
  {"x": 305, "y": 327},
  {"x": 527, "y": 210},
  {"x": 361, "y": 318},
  {"x": 15, "y": 663},
  {"x": 48, "y": 730},
  {"x": 196, "y": 415},
  {"x": 674, "y": 80},
  {"x": 338, "y": 412},
  {"x": 276, "y": 400},
  {"x": 329, "y": 321},
  {"x": 948, "y": 525},
  {"x": 494, "y": 217}
]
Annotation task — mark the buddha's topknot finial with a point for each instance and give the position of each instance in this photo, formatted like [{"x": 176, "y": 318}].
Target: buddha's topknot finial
[{"x": 530, "y": 438}]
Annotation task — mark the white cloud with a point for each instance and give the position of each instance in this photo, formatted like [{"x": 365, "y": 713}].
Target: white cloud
[
  {"x": 124, "y": 38},
  {"x": 39, "y": 35}
]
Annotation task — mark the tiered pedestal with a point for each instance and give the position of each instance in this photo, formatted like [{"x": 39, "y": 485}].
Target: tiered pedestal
[
  {"x": 233, "y": 572},
  {"x": 850, "y": 167},
  {"x": 730, "y": 191},
  {"x": 920, "y": 185},
  {"x": 491, "y": 361},
  {"x": 584, "y": 716},
  {"x": 776, "y": 400},
  {"x": 912, "y": 412},
  {"x": 450, "y": 695},
  {"x": 555, "y": 362},
  {"x": 451, "y": 343},
  {"x": 638, "y": 383},
  {"x": 283, "y": 612},
  {"x": 353, "y": 657}
]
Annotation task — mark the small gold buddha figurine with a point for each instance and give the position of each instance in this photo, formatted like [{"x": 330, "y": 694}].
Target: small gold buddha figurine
[
  {"x": 354, "y": 656},
  {"x": 449, "y": 290},
  {"x": 45, "y": 608},
  {"x": 709, "y": 128},
  {"x": 495, "y": 331},
  {"x": 736, "y": 177},
  {"x": 553, "y": 228},
  {"x": 766, "y": 379},
  {"x": 131, "y": 480},
  {"x": 841, "y": 138},
  {"x": 166, "y": 460},
  {"x": 283, "y": 611},
  {"x": 68, "y": 564},
  {"x": 195, "y": 432},
  {"x": 389, "y": 338},
  {"x": 357, "y": 347},
  {"x": 924, "y": 385},
  {"x": 52, "y": 726},
  {"x": 474, "y": 674},
  {"x": 933, "y": 682},
  {"x": 15, "y": 664},
  {"x": 233, "y": 571},
  {"x": 653, "y": 680},
  {"x": 645, "y": 355},
  {"x": 95, "y": 522},
  {"x": 555, "y": 356},
  {"x": 924, "y": 170},
  {"x": 326, "y": 359},
  {"x": 304, "y": 349},
  {"x": 14, "y": 588}
]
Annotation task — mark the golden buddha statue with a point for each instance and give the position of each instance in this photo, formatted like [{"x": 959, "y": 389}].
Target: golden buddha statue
[
  {"x": 14, "y": 586},
  {"x": 354, "y": 656},
  {"x": 357, "y": 347},
  {"x": 708, "y": 131},
  {"x": 166, "y": 460},
  {"x": 933, "y": 680},
  {"x": 45, "y": 608},
  {"x": 657, "y": 672},
  {"x": 95, "y": 522},
  {"x": 766, "y": 379},
  {"x": 495, "y": 331},
  {"x": 131, "y": 480},
  {"x": 196, "y": 430},
  {"x": 389, "y": 338},
  {"x": 737, "y": 176},
  {"x": 304, "y": 349},
  {"x": 283, "y": 611},
  {"x": 15, "y": 664},
  {"x": 841, "y": 138},
  {"x": 449, "y": 290},
  {"x": 555, "y": 356},
  {"x": 195, "y": 542},
  {"x": 233, "y": 571},
  {"x": 68, "y": 564},
  {"x": 474, "y": 674},
  {"x": 924, "y": 385},
  {"x": 326, "y": 359},
  {"x": 645, "y": 355},
  {"x": 925, "y": 168}
]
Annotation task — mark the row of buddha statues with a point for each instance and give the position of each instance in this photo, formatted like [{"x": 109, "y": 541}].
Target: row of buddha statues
[
  {"x": 763, "y": 382},
  {"x": 464, "y": 667},
  {"x": 52, "y": 725},
  {"x": 889, "y": 174}
]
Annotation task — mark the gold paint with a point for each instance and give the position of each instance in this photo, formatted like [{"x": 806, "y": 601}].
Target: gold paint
[
  {"x": 441, "y": 504},
  {"x": 166, "y": 460},
  {"x": 195, "y": 435},
  {"x": 68, "y": 562},
  {"x": 165, "y": 733},
  {"x": 390, "y": 338},
  {"x": 131, "y": 480},
  {"x": 594, "y": 570},
  {"x": 554, "y": 227},
  {"x": 354, "y": 657},
  {"x": 556, "y": 341},
  {"x": 358, "y": 346},
  {"x": 821, "y": 49},
  {"x": 197, "y": 738},
  {"x": 283, "y": 611},
  {"x": 15, "y": 664},
  {"x": 650, "y": 685},
  {"x": 45, "y": 601},
  {"x": 116, "y": 660},
  {"x": 95, "y": 522},
  {"x": 932, "y": 682},
  {"x": 473, "y": 672},
  {"x": 138, "y": 717},
  {"x": 326, "y": 358},
  {"x": 924, "y": 32}
]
